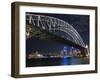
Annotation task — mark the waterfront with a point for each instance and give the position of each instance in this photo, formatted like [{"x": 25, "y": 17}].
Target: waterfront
[{"x": 56, "y": 61}]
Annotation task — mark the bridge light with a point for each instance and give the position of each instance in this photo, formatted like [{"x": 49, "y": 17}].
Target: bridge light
[
  {"x": 27, "y": 34},
  {"x": 86, "y": 46},
  {"x": 43, "y": 28}
]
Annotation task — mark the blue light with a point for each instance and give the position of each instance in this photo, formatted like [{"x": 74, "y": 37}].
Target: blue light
[
  {"x": 74, "y": 61},
  {"x": 64, "y": 61}
]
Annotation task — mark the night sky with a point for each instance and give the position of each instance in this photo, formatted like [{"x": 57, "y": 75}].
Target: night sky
[{"x": 79, "y": 22}]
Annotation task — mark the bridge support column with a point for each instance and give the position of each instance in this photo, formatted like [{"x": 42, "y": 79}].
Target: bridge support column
[{"x": 84, "y": 52}]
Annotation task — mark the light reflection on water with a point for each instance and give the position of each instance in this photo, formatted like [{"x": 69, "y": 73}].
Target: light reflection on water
[
  {"x": 56, "y": 61},
  {"x": 72, "y": 61},
  {"x": 64, "y": 61}
]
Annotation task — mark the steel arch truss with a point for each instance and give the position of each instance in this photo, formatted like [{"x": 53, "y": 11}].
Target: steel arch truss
[{"x": 55, "y": 25}]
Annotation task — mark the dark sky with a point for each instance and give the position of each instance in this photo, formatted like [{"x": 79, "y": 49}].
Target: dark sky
[{"x": 79, "y": 22}]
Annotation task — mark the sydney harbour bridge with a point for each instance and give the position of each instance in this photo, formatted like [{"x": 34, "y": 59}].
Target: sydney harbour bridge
[{"x": 55, "y": 26}]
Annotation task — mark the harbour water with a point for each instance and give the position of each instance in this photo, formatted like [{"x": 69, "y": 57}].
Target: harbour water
[{"x": 56, "y": 61}]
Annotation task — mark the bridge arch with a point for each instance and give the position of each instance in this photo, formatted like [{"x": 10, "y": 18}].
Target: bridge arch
[{"x": 52, "y": 25}]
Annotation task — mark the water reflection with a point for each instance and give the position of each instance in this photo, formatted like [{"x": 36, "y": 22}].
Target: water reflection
[
  {"x": 73, "y": 61},
  {"x": 64, "y": 61},
  {"x": 56, "y": 61}
]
